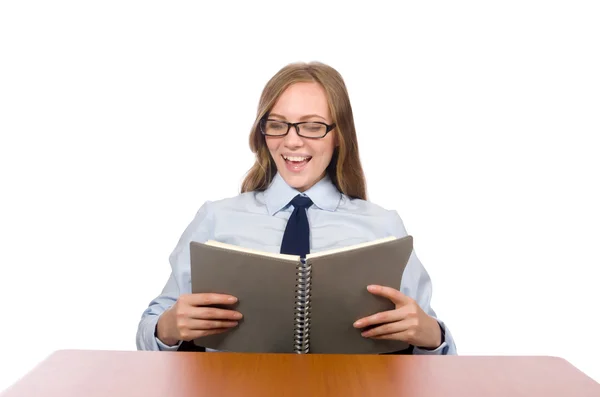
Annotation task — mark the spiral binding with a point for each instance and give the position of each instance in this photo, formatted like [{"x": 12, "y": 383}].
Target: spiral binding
[{"x": 302, "y": 309}]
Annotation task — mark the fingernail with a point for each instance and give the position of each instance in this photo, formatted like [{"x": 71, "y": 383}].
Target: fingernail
[
  {"x": 358, "y": 323},
  {"x": 238, "y": 315},
  {"x": 371, "y": 288},
  {"x": 231, "y": 299}
]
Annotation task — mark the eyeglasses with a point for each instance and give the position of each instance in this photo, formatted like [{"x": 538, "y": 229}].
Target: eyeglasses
[{"x": 306, "y": 129}]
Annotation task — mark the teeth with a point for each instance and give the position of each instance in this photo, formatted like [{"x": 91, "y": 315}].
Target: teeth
[{"x": 290, "y": 158}]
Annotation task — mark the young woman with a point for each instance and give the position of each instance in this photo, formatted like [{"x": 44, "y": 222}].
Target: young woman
[{"x": 305, "y": 193}]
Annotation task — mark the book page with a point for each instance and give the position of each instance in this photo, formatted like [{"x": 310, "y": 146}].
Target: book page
[
  {"x": 351, "y": 247},
  {"x": 291, "y": 258}
]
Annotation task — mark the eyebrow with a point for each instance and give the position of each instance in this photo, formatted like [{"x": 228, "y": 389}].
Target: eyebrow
[{"x": 308, "y": 116}]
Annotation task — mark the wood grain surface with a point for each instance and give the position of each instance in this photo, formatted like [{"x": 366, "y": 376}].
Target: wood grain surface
[{"x": 70, "y": 373}]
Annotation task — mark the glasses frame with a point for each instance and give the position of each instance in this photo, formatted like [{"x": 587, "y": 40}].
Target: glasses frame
[{"x": 296, "y": 126}]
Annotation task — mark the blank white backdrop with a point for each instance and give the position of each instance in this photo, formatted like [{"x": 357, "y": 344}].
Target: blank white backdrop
[{"x": 477, "y": 121}]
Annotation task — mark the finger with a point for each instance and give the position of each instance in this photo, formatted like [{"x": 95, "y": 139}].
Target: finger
[
  {"x": 382, "y": 317},
  {"x": 198, "y": 334},
  {"x": 210, "y": 324},
  {"x": 402, "y": 335},
  {"x": 205, "y": 299},
  {"x": 209, "y": 313},
  {"x": 390, "y": 293},
  {"x": 387, "y": 329},
  {"x": 215, "y": 331}
]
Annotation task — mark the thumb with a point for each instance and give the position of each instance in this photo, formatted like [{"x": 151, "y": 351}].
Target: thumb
[{"x": 392, "y": 294}]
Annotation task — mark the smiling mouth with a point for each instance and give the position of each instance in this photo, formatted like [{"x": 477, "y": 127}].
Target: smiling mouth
[
  {"x": 296, "y": 164},
  {"x": 297, "y": 160}
]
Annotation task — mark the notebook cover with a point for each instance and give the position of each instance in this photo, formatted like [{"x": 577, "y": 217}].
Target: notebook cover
[
  {"x": 265, "y": 288},
  {"x": 339, "y": 296}
]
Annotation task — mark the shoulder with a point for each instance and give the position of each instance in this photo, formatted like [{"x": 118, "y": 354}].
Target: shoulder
[
  {"x": 202, "y": 226},
  {"x": 361, "y": 206},
  {"x": 388, "y": 218},
  {"x": 241, "y": 202},
  {"x": 212, "y": 210}
]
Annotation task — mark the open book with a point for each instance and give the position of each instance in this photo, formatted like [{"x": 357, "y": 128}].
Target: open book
[{"x": 299, "y": 305}]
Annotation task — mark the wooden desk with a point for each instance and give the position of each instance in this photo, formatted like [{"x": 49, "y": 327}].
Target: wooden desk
[{"x": 104, "y": 373}]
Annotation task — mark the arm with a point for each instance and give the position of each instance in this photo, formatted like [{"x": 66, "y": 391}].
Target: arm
[
  {"x": 146, "y": 338},
  {"x": 416, "y": 284},
  {"x": 179, "y": 281}
]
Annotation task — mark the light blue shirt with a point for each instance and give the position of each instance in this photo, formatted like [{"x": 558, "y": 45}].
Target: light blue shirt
[{"x": 257, "y": 220}]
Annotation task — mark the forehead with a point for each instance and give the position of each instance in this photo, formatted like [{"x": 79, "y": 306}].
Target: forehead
[{"x": 301, "y": 99}]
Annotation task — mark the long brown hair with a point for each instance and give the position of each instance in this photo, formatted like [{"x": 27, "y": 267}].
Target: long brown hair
[{"x": 345, "y": 169}]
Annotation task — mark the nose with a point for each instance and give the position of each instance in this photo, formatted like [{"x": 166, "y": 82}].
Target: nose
[{"x": 292, "y": 139}]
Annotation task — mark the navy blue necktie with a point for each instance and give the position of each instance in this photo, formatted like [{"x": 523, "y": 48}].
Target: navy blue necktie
[{"x": 296, "y": 235}]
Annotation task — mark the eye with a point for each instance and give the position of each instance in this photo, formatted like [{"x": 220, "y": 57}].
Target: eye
[
  {"x": 313, "y": 127},
  {"x": 276, "y": 125}
]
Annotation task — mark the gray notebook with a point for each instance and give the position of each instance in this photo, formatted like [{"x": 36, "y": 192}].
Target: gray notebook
[{"x": 300, "y": 306}]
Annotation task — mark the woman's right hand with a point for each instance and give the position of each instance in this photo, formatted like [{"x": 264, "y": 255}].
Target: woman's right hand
[{"x": 189, "y": 318}]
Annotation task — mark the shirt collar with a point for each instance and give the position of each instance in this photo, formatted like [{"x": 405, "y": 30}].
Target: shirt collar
[{"x": 323, "y": 194}]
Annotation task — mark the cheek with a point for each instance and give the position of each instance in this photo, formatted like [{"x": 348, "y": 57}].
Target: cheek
[
  {"x": 272, "y": 145},
  {"x": 326, "y": 150}
]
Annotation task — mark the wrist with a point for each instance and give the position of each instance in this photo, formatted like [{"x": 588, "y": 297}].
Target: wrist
[
  {"x": 161, "y": 331},
  {"x": 437, "y": 336}
]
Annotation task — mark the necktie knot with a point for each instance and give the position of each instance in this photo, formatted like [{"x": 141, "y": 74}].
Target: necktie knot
[{"x": 301, "y": 202}]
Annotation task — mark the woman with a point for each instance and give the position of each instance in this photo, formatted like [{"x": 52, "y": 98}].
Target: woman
[{"x": 305, "y": 145}]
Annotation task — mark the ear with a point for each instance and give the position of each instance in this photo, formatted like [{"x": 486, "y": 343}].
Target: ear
[{"x": 336, "y": 141}]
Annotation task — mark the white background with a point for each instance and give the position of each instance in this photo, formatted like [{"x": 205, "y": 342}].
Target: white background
[{"x": 477, "y": 121}]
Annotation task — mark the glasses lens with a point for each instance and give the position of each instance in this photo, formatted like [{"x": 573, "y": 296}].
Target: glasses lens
[
  {"x": 275, "y": 127},
  {"x": 312, "y": 130}
]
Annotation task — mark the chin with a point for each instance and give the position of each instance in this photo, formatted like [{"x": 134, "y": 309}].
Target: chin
[
  {"x": 296, "y": 181},
  {"x": 300, "y": 182}
]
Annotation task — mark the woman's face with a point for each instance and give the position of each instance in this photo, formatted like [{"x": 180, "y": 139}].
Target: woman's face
[{"x": 302, "y": 162}]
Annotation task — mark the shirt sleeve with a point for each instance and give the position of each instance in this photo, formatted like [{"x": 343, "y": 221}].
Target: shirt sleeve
[
  {"x": 179, "y": 281},
  {"x": 416, "y": 284}
]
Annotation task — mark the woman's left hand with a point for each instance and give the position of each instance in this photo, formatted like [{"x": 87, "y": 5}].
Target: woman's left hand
[{"x": 408, "y": 322}]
